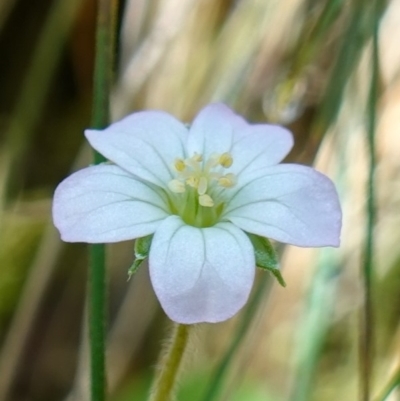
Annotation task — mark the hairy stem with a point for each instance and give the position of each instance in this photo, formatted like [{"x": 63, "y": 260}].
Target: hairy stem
[{"x": 170, "y": 365}]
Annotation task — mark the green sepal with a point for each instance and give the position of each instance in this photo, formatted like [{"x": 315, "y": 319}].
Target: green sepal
[
  {"x": 266, "y": 257},
  {"x": 142, "y": 249}
]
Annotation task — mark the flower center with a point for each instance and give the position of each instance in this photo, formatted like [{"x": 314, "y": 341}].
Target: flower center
[{"x": 199, "y": 189}]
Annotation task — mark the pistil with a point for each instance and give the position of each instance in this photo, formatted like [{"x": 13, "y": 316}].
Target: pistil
[{"x": 198, "y": 186}]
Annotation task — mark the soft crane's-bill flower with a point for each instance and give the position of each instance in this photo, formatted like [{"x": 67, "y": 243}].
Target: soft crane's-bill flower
[{"x": 197, "y": 190}]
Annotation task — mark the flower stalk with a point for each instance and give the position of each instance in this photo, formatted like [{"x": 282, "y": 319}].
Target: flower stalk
[
  {"x": 104, "y": 61},
  {"x": 171, "y": 363}
]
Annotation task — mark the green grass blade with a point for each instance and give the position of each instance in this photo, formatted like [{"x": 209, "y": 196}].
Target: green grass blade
[
  {"x": 219, "y": 375},
  {"x": 366, "y": 323},
  {"x": 314, "y": 326}
]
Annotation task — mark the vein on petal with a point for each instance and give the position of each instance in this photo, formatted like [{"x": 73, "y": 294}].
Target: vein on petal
[
  {"x": 164, "y": 162},
  {"x": 168, "y": 251},
  {"x": 130, "y": 225},
  {"x": 238, "y": 243},
  {"x": 90, "y": 212},
  {"x": 128, "y": 198},
  {"x": 275, "y": 201},
  {"x": 271, "y": 174},
  {"x": 137, "y": 160},
  {"x": 265, "y": 224}
]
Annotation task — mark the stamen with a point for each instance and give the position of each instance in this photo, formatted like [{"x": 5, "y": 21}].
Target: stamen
[
  {"x": 197, "y": 157},
  {"x": 202, "y": 188},
  {"x": 193, "y": 163},
  {"x": 193, "y": 181},
  {"x": 227, "y": 181},
  {"x": 203, "y": 183},
  {"x": 212, "y": 162},
  {"x": 226, "y": 160},
  {"x": 176, "y": 186},
  {"x": 179, "y": 165},
  {"x": 206, "y": 200}
]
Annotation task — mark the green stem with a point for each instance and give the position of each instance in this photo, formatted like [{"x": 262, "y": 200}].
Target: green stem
[
  {"x": 97, "y": 321},
  {"x": 171, "y": 363},
  {"x": 104, "y": 62},
  {"x": 103, "y": 74},
  {"x": 366, "y": 329}
]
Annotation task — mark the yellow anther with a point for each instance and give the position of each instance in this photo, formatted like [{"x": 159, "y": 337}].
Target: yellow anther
[
  {"x": 193, "y": 182},
  {"x": 176, "y": 186},
  {"x": 225, "y": 160},
  {"x": 197, "y": 157},
  {"x": 202, "y": 188},
  {"x": 202, "y": 178},
  {"x": 212, "y": 161},
  {"x": 179, "y": 165},
  {"x": 206, "y": 200},
  {"x": 227, "y": 181}
]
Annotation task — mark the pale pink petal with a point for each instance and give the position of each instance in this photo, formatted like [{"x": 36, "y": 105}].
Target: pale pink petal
[
  {"x": 144, "y": 143},
  {"x": 104, "y": 203},
  {"x": 217, "y": 129},
  {"x": 201, "y": 274},
  {"x": 213, "y": 130},
  {"x": 289, "y": 203}
]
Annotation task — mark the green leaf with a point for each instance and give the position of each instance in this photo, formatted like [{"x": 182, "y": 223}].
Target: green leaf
[
  {"x": 142, "y": 249},
  {"x": 266, "y": 257}
]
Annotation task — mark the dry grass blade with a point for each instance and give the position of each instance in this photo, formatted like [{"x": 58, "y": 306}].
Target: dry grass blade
[{"x": 168, "y": 22}]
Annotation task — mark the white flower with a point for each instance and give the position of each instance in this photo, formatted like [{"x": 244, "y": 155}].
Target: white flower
[{"x": 197, "y": 190}]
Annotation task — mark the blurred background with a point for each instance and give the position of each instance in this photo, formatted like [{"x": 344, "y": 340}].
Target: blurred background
[{"x": 305, "y": 64}]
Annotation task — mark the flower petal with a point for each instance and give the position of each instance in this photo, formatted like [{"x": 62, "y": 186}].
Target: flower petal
[
  {"x": 201, "y": 274},
  {"x": 106, "y": 204},
  {"x": 145, "y": 144},
  {"x": 217, "y": 129},
  {"x": 259, "y": 146},
  {"x": 213, "y": 130},
  {"x": 290, "y": 203}
]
